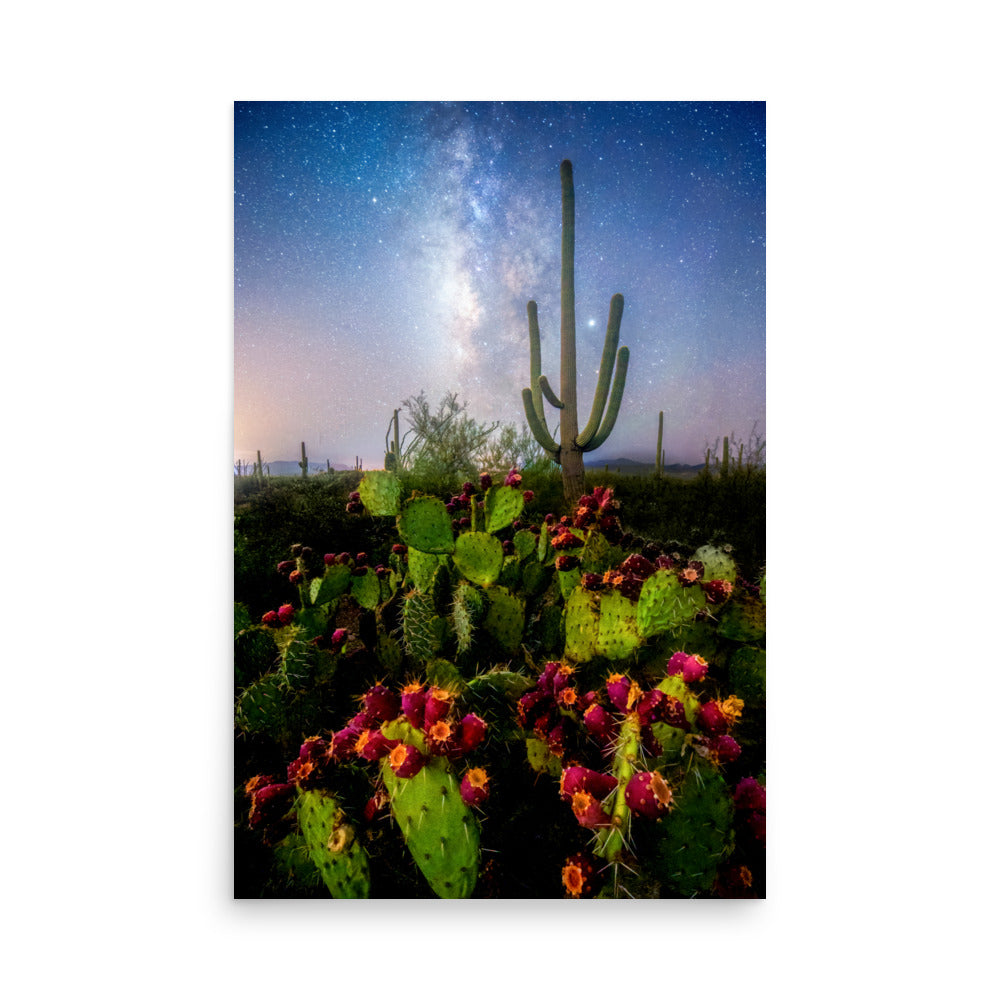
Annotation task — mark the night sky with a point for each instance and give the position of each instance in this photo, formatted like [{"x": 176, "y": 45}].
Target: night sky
[{"x": 384, "y": 249}]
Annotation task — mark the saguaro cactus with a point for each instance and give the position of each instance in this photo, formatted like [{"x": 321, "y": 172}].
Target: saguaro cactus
[
  {"x": 569, "y": 452},
  {"x": 304, "y": 464},
  {"x": 659, "y": 448}
]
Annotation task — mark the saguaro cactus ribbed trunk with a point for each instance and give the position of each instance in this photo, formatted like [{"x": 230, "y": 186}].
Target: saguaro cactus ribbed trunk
[{"x": 569, "y": 452}]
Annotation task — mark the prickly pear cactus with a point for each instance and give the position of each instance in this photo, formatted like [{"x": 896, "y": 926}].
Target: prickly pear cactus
[
  {"x": 440, "y": 830},
  {"x": 332, "y": 846},
  {"x": 424, "y": 523},
  {"x": 697, "y": 834},
  {"x": 380, "y": 493},
  {"x": 478, "y": 557},
  {"x": 617, "y": 630}
]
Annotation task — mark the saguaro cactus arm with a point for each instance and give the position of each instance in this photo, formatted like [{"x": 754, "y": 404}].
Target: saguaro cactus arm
[{"x": 591, "y": 437}]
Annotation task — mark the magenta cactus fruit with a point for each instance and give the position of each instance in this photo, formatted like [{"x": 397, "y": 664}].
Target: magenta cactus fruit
[
  {"x": 329, "y": 559},
  {"x": 647, "y": 794},
  {"x": 623, "y": 692},
  {"x": 716, "y": 591},
  {"x": 286, "y": 566},
  {"x": 485, "y": 481},
  {"x": 412, "y": 701},
  {"x": 528, "y": 495},
  {"x": 338, "y": 638},
  {"x": 711, "y": 718},
  {"x": 285, "y": 614},
  {"x": 749, "y": 793},
  {"x": 599, "y": 722},
  {"x": 650, "y": 706},
  {"x": 372, "y": 744},
  {"x": 270, "y": 618},
  {"x": 637, "y": 565},
  {"x": 724, "y": 748},
  {"x": 513, "y": 478},
  {"x": 583, "y": 779},
  {"x": 406, "y": 760},
  {"x": 472, "y": 733},
  {"x": 381, "y": 703},
  {"x": 437, "y": 705},
  {"x": 588, "y": 810},
  {"x": 270, "y": 802},
  {"x": 342, "y": 743},
  {"x": 440, "y": 737},
  {"x": 296, "y": 576},
  {"x": 475, "y": 787}
]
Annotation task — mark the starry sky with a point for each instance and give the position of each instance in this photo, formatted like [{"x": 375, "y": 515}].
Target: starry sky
[{"x": 384, "y": 249}]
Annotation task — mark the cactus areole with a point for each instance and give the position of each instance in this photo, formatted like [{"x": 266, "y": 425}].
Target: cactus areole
[{"x": 569, "y": 452}]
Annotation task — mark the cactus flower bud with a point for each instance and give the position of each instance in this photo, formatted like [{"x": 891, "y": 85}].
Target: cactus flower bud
[{"x": 412, "y": 701}]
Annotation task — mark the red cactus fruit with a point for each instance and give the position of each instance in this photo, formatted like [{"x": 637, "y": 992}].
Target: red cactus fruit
[
  {"x": 406, "y": 760},
  {"x": 372, "y": 744},
  {"x": 716, "y": 591},
  {"x": 690, "y": 665},
  {"x": 528, "y": 495},
  {"x": 650, "y": 706},
  {"x": 749, "y": 793},
  {"x": 412, "y": 701},
  {"x": 584, "y": 779},
  {"x": 329, "y": 559},
  {"x": 381, "y": 703},
  {"x": 546, "y": 679},
  {"x": 567, "y": 563},
  {"x": 399, "y": 549},
  {"x": 485, "y": 481},
  {"x": 648, "y": 794},
  {"x": 437, "y": 705},
  {"x": 270, "y": 802},
  {"x": 376, "y": 804},
  {"x": 529, "y": 705},
  {"x": 475, "y": 787},
  {"x": 566, "y": 697},
  {"x": 636, "y": 565},
  {"x": 673, "y": 714},
  {"x": 343, "y": 742},
  {"x": 270, "y": 618},
  {"x": 579, "y": 875},
  {"x": 286, "y": 566},
  {"x": 556, "y": 739},
  {"x": 296, "y": 576},
  {"x": 314, "y": 748},
  {"x": 285, "y": 614},
  {"x": 440, "y": 736},
  {"x": 623, "y": 692},
  {"x": 711, "y": 718},
  {"x": 338, "y": 638},
  {"x": 588, "y": 810},
  {"x": 724, "y": 748},
  {"x": 599, "y": 722},
  {"x": 473, "y": 732},
  {"x": 592, "y": 582},
  {"x": 513, "y": 478}
]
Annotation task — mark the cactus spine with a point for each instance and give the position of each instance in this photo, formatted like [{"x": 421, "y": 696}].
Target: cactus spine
[{"x": 569, "y": 452}]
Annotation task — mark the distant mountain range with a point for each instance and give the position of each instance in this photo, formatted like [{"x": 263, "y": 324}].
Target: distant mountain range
[{"x": 626, "y": 466}]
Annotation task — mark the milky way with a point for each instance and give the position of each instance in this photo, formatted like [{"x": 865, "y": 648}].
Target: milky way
[{"x": 384, "y": 249}]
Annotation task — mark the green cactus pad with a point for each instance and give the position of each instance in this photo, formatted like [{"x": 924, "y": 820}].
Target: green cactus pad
[
  {"x": 502, "y": 505},
  {"x": 582, "y": 623},
  {"x": 380, "y": 492},
  {"x": 478, "y": 557},
  {"x": 336, "y": 580},
  {"x": 424, "y": 523},
  {"x": 468, "y": 610},
  {"x": 569, "y": 580},
  {"x": 421, "y": 636},
  {"x": 254, "y": 653},
  {"x": 618, "y": 631},
  {"x": 422, "y": 567},
  {"x": 525, "y": 543},
  {"x": 505, "y": 618},
  {"x": 596, "y": 554},
  {"x": 333, "y": 848},
  {"x": 444, "y": 674},
  {"x": 541, "y": 758},
  {"x": 696, "y": 834},
  {"x": 439, "y": 829},
  {"x": 664, "y": 604},
  {"x": 534, "y": 578},
  {"x": 744, "y": 619},
  {"x": 747, "y": 674},
  {"x": 718, "y": 565},
  {"x": 366, "y": 590}
]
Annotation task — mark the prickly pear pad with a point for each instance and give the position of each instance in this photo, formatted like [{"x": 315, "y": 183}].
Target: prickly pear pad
[
  {"x": 582, "y": 624},
  {"x": 502, "y": 505},
  {"x": 744, "y": 619},
  {"x": 424, "y": 523},
  {"x": 718, "y": 565},
  {"x": 505, "y": 617},
  {"x": 698, "y": 832},
  {"x": 478, "y": 557},
  {"x": 617, "y": 632},
  {"x": 440, "y": 830},
  {"x": 664, "y": 603},
  {"x": 335, "y": 581},
  {"x": 380, "y": 493},
  {"x": 422, "y": 567},
  {"x": 340, "y": 859}
]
